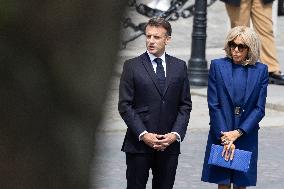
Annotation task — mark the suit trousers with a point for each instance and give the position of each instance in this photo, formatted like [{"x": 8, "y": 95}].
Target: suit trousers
[
  {"x": 261, "y": 17},
  {"x": 163, "y": 167}
]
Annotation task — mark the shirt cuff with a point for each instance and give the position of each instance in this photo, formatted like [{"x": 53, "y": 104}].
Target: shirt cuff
[
  {"x": 178, "y": 136},
  {"x": 143, "y": 133}
]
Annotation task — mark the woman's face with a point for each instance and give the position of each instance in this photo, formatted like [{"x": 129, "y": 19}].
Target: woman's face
[{"x": 239, "y": 50}]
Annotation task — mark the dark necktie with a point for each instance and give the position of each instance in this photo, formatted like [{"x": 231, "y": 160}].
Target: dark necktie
[{"x": 160, "y": 73}]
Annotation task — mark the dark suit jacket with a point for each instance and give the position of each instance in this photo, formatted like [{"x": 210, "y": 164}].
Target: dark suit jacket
[
  {"x": 222, "y": 117},
  {"x": 238, "y": 2},
  {"x": 143, "y": 106}
]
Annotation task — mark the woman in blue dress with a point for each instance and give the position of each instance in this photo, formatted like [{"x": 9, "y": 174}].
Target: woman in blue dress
[{"x": 237, "y": 89}]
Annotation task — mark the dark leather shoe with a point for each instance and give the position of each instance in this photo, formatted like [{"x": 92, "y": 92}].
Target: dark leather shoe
[{"x": 276, "y": 78}]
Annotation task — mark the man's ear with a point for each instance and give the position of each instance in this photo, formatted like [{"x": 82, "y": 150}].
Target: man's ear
[{"x": 168, "y": 39}]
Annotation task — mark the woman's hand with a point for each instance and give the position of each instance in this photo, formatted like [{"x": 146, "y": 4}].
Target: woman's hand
[
  {"x": 228, "y": 151},
  {"x": 229, "y": 136}
]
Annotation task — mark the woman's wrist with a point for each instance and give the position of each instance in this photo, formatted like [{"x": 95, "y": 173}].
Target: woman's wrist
[{"x": 239, "y": 132}]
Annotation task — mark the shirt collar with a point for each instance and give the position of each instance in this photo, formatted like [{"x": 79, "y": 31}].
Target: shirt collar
[{"x": 152, "y": 57}]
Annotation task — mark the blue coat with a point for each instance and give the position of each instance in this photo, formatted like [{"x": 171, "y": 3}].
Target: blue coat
[{"x": 222, "y": 118}]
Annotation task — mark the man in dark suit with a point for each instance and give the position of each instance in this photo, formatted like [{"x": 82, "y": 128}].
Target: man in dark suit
[{"x": 155, "y": 103}]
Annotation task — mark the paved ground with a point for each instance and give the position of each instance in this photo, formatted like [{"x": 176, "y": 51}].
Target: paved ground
[{"x": 110, "y": 161}]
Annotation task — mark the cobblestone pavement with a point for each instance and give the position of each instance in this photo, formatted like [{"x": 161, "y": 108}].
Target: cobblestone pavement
[{"x": 110, "y": 161}]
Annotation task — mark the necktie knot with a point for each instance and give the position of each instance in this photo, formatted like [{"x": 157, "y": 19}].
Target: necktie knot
[{"x": 158, "y": 61}]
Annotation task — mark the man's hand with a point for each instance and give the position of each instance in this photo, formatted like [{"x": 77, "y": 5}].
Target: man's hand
[
  {"x": 150, "y": 139},
  {"x": 164, "y": 141}
]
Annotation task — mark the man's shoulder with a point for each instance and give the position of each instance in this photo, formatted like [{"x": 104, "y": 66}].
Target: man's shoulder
[
  {"x": 137, "y": 59},
  {"x": 174, "y": 59}
]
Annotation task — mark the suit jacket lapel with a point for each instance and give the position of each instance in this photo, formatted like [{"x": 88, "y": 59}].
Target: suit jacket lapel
[
  {"x": 226, "y": 72},
  {"x": 149, "y": 68},
  {"x": 169, "y": 71},
  {"x": 251, "y": 80}
]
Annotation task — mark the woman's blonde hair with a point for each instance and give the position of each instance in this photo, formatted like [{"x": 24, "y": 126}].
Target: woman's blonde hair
[{"x": 249, "y": 38}]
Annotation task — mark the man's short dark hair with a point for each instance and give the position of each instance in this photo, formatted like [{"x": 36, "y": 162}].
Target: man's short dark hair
[{"x": 160, "y": 22}]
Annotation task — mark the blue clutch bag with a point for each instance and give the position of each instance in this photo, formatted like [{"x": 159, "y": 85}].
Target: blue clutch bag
[{"x": 240, "y": 161}]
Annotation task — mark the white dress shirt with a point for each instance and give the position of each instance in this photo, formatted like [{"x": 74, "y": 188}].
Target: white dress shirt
[{"x": 154, "y": 64}]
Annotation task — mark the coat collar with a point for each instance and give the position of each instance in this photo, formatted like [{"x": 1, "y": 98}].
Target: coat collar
[
  {"x": 170, "y": 71},
  {"x": 152, "y": 57},
  {"x": 253, "y": 74},
  {"x": 150, "y": 70},
  {"x": 226, "y": 72}
]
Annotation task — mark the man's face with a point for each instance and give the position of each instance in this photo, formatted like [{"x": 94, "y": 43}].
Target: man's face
[{"x": 156, "y": 40}]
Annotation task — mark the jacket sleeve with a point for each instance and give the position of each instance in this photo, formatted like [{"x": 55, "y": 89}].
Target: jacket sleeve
[
  {"x": 184, "y": 109},
  {"x": 217, "y": 119},
  {"x": 258, "y": 112},
  {"x": 126, "y": 98}
]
